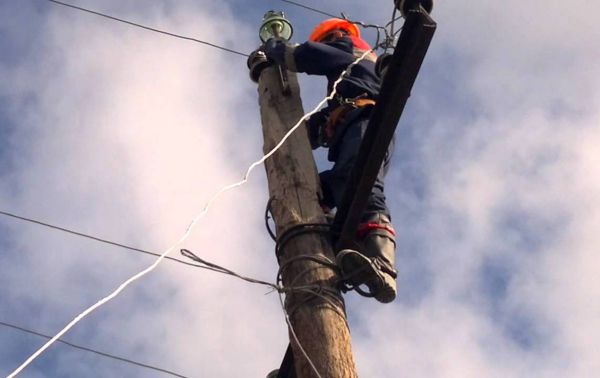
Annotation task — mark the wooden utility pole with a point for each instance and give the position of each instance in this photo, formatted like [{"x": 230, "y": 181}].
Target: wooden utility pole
[{"x": 319, "y": 323}]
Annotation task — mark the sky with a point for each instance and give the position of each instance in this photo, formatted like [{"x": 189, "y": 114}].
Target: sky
[{"x": 125, "y": 134}]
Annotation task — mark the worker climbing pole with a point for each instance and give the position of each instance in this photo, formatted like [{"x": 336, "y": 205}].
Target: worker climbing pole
[{"x": 367, "y": 95}]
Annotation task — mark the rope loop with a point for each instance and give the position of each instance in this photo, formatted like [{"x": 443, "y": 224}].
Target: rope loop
[{"x": 297, "y": 230}]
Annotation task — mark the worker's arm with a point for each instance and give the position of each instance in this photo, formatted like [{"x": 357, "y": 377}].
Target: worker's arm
[
  {"x": 313, "y": 58},
  {"x": 316, "y": 58}
]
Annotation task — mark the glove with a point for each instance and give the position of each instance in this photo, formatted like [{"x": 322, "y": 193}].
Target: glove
[
  {"x": 327, "y": 181},
  {"x": 275, "y": 50},
  {"x": 315, "y": 125}
]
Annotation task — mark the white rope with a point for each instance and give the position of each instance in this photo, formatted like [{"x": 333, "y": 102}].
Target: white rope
[{"x": 188, "y": 231}]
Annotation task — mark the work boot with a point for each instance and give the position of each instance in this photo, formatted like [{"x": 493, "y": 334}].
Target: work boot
[
  {"x": 380, "y": 247},
  {"x": 374, "y": 264}
]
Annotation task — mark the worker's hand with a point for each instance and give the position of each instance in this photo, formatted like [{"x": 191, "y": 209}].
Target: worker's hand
[
  {"x": 315, "y": 125},
  {"x": 275, "y": 50}
]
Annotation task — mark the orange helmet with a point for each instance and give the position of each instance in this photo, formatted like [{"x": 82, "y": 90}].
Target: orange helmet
[{"x": 330, "y": 25}]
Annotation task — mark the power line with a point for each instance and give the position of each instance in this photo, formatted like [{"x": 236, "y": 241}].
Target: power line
[
  {"x": 95, "y": 238},
  {"x": 310, "y": 8},
  {"x": 179, "y": 35},
  {"x": 149, "y": 28},
  {"x": 112, "y": 356},
  {"x": 201, "y": 264}
]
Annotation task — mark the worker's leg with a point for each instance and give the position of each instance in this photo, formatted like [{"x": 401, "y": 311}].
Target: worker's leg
[
  {"x": 378, "y": 243},
  {"x": 344, "y": 154},
  {"x": 376, "y": 259}
]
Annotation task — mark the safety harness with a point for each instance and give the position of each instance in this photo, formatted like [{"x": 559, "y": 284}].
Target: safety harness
[{"x": 337, "y": 115}]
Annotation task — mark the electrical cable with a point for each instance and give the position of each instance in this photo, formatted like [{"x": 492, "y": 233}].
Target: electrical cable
[
  {"x": 148, "y": 28},
  {"x": 267, "y": 217},
  {"x": 112, "y": 356},
  {"x": 187, "y": 233},
  {"x": 393, "y": 21},
  {"x": 299, "y": 229},
  {"x": 315, "y": 291},
  {"x": 364, "y": 25},
  {"x": 293, "y": 332},
  {"x": 191, "y": 255},
  {"x": 310, "y": 8},
  {"x": 312, "y": 290},
  {"x": 95, "y": 238},
  {"x": 343, "y": 15}
]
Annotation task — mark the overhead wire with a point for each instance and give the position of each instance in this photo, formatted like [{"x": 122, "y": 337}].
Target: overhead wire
[
  {"x": 103, "y": 354},
  {"x": 307, "y": 289},
  {"x": 188, "y": 231},
  {"x": 388, "y": 35},
  {"x": 148, "y": 28},
  {"x": 96, "y": 238},
  {"x": 204, "y": 264},
  {"x": 391, "y": 23},
  {"x": 309, "y": 8},
  {"x": 110, "y": 17},
  {"x": 191, "y": 255}
]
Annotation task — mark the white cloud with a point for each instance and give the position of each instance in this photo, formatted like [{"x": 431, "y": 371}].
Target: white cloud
[
  {"x": 126, "y": 134},
  {"x": 505, "y": 228}
]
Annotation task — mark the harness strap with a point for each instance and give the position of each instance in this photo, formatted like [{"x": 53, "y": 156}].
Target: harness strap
[{"x": 337, "y": 115}]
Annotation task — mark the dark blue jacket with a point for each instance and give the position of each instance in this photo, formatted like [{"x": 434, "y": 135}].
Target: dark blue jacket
[{"x": 330, "y": 60}]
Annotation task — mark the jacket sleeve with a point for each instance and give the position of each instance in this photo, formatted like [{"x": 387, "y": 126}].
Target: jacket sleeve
[{"x": 316, "y": 58}]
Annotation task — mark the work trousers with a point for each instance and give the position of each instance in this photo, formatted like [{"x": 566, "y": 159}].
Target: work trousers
[{"x": 343, "y": 153}]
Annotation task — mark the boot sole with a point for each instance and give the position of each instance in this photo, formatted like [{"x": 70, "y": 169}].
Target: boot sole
[
  {"x": 362, "y": 271},
  {"x": 386, "y": 292}
]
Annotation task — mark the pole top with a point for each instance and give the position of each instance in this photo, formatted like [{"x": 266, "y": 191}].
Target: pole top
[{"x": 275, "y": 25}]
